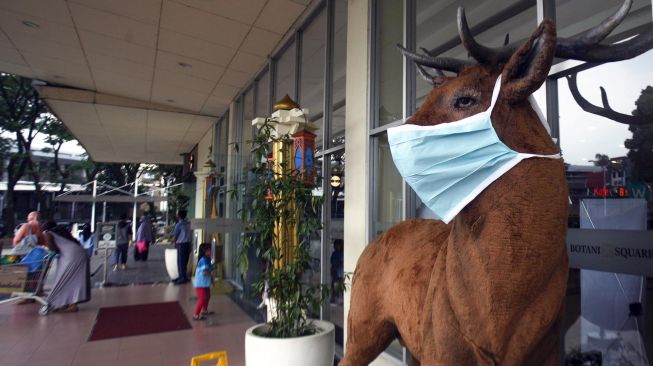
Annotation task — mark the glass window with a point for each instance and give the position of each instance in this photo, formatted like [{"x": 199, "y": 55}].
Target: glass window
[
  {"x": 388, "y": 189},
  {"x": 339, "y": 74},
  {"x": 247, "y": 129},
  {"x": 437, "y": 30},
  {"x": 336, "y": 189},
  {"x": 220, "y": 149},
  {"x": 607, "y": 319},
  {"x": 285, "y": 77},
  {"x": 263, "y": 95},
  {"x": 605, "y": 159},
  {"x": 338, "y": 126},
  {"x": 312, "y": 71},
  {"x": 389, "y": 61},
  {"x": 569, "y": 23}
]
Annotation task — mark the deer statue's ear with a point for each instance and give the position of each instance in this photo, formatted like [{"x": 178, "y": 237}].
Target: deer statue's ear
[{"x": 528, "y": 67}]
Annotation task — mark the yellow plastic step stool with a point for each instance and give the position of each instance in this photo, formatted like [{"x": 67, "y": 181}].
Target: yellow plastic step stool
[{"x": 220, "y": 356}]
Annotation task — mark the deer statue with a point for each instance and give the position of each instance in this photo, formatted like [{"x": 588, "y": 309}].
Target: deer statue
[{"x": 489, "y": 287}]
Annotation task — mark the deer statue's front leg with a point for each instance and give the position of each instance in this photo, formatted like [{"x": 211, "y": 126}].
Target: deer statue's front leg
[{"x": 389, "y": 290}]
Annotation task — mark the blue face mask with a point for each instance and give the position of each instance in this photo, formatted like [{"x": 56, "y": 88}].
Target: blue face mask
[{"x": 449, "y": 164}]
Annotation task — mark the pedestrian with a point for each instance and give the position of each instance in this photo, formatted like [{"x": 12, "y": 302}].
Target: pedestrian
[
  {"x": 143, "y": 239},
  {"x": 123, "y": 237},
  {"x": 153, "y": 224},
  {"x": 29, "y": 235},
  {"x": 337, "y": 269},
  {"x": 72, "y": 280},
  {"x": 202, "y": 281},
  {"x": 88, "y": 239},
  {"x": 181, "y": 239}
]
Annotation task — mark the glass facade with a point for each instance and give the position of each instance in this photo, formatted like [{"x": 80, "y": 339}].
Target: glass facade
[
  {"x": 337, "y": 130},
  {"x": 388, "y": 197},
  {"x": 389, "y": 62},
  {"x": 316, "y": 81},
  {"x": 284, "y": 79},
  {"x": 312, "y": 71},
  {"x": 607, "y": 311},
  {"x": 263, "y": 94},
  {"x": 607, "y": 163}
]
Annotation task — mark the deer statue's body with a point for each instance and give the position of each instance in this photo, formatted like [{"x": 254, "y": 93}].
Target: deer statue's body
[{"x": 488, "y": 288}]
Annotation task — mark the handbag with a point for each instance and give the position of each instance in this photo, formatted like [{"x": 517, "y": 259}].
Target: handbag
[{"x": 141, "y": 246}]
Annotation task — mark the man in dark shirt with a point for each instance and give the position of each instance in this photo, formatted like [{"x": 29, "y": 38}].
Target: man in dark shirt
[{"x": 182, "y": 238}]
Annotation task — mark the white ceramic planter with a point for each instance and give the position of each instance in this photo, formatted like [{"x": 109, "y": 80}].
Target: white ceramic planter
[
  {"x": 171, "y": 263},
  {"x": 313, "y": 350}
]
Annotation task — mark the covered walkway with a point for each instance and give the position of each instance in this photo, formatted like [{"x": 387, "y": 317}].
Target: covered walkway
[
  {"x": 61, "y": 339},
  {"x": 151, "y": 272}
]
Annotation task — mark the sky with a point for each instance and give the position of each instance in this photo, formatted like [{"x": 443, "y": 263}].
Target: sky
[
  {"x": 70, "y": 147},
  {"x": 582, "y": 134}
]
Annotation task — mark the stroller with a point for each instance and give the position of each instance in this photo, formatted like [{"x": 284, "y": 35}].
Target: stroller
[{"x": 23, "y": 277}]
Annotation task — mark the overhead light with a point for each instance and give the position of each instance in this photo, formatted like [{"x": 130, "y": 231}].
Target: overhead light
[
  {"x": 30, "y": 24},
  {"x": 184, "y": 64}
]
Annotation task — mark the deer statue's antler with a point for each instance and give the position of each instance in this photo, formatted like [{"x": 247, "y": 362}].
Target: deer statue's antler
[
  {"x": 583, "y": 47},
  {"x": 438, "y": 63},
  {"x": 605, "y": 111}
]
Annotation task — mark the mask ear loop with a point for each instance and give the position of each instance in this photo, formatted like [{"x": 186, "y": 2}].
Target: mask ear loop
[{"x": 495, "y": 94}]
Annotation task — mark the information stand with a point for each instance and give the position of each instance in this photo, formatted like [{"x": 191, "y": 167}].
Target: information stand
[{"x": 107, "y": 241}]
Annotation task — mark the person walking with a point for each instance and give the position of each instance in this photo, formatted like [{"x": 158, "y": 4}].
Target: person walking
[
  {"x": 202, "y": 281},
  {"x": 72, "y": 280},
  {"x": 123, "y": 237},
  {"x": 88, "y": 239},
  {"x": 181, "y": 239},
  {"x": 143, "y": 239}
]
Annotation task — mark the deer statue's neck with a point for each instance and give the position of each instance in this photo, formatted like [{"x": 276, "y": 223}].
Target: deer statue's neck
[{"x": 508, "y": 245}]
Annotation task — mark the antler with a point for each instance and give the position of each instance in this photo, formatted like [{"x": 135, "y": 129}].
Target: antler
[
  {"x": 438, "y": 63},
  {"x": 605, "y": 111},
  {"x": 583, "y": 47}
]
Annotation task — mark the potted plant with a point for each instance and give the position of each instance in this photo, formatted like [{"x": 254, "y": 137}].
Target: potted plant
[{"x": 281, "y": 215}]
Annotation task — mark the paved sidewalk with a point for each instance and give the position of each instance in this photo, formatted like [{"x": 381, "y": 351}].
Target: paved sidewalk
[{"x": 152, "y": 271}]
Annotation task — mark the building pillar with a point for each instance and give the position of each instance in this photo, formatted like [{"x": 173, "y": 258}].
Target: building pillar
[{"x": 357, "y": 115}]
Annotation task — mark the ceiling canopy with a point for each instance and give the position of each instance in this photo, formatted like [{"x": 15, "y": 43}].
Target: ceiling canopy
[{"x": 156, "y": 72}]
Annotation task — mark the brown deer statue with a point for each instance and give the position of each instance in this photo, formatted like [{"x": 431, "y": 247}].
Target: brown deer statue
[{"x": 489, "y": 287}]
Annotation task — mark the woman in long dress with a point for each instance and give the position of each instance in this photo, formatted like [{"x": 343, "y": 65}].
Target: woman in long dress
[{"x": 72, "y": 283}]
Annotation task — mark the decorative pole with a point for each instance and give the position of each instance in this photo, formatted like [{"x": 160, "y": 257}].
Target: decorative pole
[{"x": 297, "y": 154}]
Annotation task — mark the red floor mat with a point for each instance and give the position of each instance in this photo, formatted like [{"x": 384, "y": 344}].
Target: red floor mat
[{"x": 125, "y": 321}]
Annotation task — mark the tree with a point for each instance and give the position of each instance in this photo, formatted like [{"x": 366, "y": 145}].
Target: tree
[
  {"x": 601, "y": 160},
  {"x": 56, "y": 135},
  {"x": 23, "y": 114},
  {"x": 640, "y": 146},
  {"x": 170, "y": 175}
]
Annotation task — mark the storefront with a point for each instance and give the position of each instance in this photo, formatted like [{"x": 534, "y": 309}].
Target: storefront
[{"x": 342, "y": 64}]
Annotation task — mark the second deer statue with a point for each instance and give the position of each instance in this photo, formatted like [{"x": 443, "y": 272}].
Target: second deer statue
[{"x": 489, "y": 287}]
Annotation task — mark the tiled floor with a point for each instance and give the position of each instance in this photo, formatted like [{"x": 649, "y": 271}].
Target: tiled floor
[{"x": 60, "y": 339}]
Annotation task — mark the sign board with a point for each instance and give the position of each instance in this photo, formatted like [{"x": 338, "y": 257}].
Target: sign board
[
  {"x": 12, "y": 279},
  {"x": 106, "y": 235},
  {"x": 619, "y": 251}
]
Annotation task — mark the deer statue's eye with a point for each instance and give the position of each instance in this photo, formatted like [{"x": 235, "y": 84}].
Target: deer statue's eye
[{"x": 464, "y": 102}]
